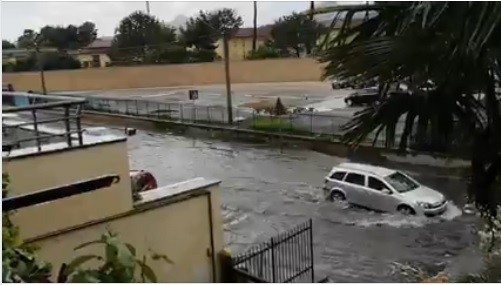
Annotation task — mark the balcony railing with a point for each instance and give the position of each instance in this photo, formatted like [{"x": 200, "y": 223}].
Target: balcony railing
[{"x": 31, "y": 118}]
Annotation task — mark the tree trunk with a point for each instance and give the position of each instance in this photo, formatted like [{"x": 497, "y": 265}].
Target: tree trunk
[
  {"x": 409, "y": 122},
  {"x": 298, "y": 51},
  {"x": 254, "y": 36},
  {"x": 312, "y": 8}
]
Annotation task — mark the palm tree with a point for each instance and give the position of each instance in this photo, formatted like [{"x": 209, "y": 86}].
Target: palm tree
[
  {"x": 449, "y": 57},
  {"x": 254, "y": 36}
]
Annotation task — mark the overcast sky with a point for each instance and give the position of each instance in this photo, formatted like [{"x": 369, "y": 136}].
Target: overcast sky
[{"x": 17, "y": 16}]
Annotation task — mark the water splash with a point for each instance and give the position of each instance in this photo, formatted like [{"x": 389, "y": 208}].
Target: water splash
[{"x": 355, "y": 216}]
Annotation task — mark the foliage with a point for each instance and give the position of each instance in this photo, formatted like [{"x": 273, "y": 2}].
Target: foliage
[
  {"x": 62, "y": 38},
  {"x": 295, "y": 34},
  {"x": 444, "y": 65},
  {"x": 27, "y": 40},
  {"x": 136, "y": 33},
  {"x": 119, "y": 264},
  {"x": 203, "y": 31},
  {"x": 263, "y": 52},
  {"x": 279, "y": 108},
  {"x": 50, "y": 61},
  {"x": 19, "y": 263},
  {"x": 7, "y": 45},
  {"x": 276, "y": 125},
  {"x": 68, "y": 38}
]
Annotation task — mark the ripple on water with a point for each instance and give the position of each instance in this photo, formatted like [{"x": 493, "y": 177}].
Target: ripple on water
[{"x": 354, "y": 216}]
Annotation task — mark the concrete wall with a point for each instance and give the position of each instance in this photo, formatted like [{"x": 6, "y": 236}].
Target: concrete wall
[
  {"x": 51, "y": 169},
  {"x": 87, "y": 59},
  {"x": 181, "y": 221},
  {"x": 272, "y": 70},
  {"x": 239, "y": 47},
  {"x": 180, "y": 230}
]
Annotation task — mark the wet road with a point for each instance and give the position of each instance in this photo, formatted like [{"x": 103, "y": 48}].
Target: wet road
[{"x": 266, "y": 190}]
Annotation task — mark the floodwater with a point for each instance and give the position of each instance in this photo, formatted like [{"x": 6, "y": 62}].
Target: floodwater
[{"x": 266, "y": 190}]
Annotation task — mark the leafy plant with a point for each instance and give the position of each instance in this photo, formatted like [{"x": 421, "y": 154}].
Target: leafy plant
[
  {"x": 445, "y": 68},
  {"x": 263, "y": 52},
  {"x": 119, "y": 264}
]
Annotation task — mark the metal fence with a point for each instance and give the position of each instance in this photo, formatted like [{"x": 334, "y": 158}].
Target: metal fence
[
  {"x": 30, "y": 126},
  {"x": 285, "y": 258},
  {"x": 305, "y": 123}
]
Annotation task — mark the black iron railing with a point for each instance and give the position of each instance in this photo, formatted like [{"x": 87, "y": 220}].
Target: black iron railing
[
  {"x": 42, "y": 117},
  {"x": 285, "y": 258}
]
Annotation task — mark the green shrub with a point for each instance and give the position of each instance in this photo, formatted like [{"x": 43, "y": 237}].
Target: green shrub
[
  {"x": 263, "y": 52},
  {"x": 276, "y": 125}
]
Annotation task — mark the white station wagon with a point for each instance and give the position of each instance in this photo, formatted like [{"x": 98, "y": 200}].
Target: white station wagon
[{"x": 382, "y": 189}]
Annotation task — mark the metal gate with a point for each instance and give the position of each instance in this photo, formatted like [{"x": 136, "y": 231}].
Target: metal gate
[{"x": 285, "y": 258}]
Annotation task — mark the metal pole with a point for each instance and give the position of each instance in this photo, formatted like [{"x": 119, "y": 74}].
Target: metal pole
[
  {"x": 40, "y": 67},
  {"x": 67, "y": 124},
  {"x": 311, "y": 252},
  {"x": 272, "y": 260},
  {"x": 227, "y": 76},
  {"x": 35, "y": 127},
  {"x": 148, "y": 7}
]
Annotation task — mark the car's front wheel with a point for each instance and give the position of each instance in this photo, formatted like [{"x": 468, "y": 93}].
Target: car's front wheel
[
  {"x": 336, "y": 196},
  {"x": 406, "y": 210}
]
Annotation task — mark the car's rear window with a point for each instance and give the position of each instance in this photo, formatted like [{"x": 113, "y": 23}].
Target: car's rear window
[{"x": 338, "y": 175}]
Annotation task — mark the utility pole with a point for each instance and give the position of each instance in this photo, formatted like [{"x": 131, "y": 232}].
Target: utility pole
[
  {"x": 40, "y": 67},
  {"x": 148, "y": 7},
  {"x": 227, "y": 75}
]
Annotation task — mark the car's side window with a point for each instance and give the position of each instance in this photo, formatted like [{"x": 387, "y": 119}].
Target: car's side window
[
  {"x": 376, "y": 184},
  {"x": 338, "y": 175},
  {"x": 355, "y": 178}
]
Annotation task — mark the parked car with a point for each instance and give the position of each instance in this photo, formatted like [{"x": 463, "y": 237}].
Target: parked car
[
  {"x": 366, "y": 96},
  {"x": 382, "y": 189},
  {"x": 352, "y": 83}
]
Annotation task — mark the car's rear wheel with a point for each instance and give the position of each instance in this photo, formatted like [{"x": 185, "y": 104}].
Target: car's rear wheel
[
  {"x": 406, "y": 210},
  {"x": 337, "y": 196},
  {"x": 349, "y": 102}
]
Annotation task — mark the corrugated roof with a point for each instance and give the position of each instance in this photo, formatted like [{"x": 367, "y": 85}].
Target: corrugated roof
[{"x": 262, "y": 32}]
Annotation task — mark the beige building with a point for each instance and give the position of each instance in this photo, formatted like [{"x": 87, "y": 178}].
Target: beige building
[
  {"x": 181, "y": 221},
  {"x": 95, "y": 54},
  {"x": 11, "y": 56},
  {"x": 240, "y": 44}
]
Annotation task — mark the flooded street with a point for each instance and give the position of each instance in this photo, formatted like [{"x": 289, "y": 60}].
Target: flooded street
[{"x": 266, "y": 190}]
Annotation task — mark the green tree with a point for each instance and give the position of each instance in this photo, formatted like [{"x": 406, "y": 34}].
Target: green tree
[
  {"x": 279, "y": 108},
  {"x": 7, "y": 45},
  {"x": 139, "y": 34},
  {"x": 446, "y": 65},
  {"x": 295, "y": 34},
  {"x": 68, "y": 38},
  {"x": 27, "y": 39},
  {"x": 203, "y": 31}
]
